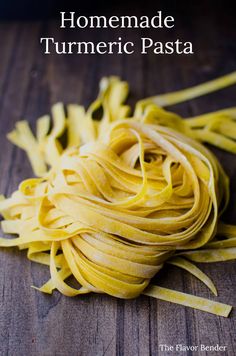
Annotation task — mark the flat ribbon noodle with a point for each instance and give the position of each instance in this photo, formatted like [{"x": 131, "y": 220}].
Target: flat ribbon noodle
[{"x": 125, "y": 195}]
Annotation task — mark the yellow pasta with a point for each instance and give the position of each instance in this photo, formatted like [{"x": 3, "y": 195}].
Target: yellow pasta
[{"x": 125, "y": 194}]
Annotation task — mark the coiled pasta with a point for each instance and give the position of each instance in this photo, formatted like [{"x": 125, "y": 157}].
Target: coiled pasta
[{"x": 125, "y": 194}]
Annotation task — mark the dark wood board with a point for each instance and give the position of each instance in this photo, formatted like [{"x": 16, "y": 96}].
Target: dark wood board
[{"x": 35, "y": 324}]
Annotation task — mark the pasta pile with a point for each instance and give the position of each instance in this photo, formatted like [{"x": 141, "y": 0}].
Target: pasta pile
[{"x": 124, "y": 194}]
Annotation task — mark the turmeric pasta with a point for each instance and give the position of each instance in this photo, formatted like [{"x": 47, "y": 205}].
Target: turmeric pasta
[{"x": 125, "y": 194}]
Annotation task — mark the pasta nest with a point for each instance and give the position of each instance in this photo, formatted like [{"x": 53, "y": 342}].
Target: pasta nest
[{"x": 124, "y": 195}]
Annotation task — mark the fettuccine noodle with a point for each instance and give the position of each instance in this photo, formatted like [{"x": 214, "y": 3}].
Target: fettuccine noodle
[{"x": 124, "y": 194}]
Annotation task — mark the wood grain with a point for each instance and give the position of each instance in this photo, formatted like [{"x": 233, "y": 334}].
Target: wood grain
[{"x": 35, "y": 324}]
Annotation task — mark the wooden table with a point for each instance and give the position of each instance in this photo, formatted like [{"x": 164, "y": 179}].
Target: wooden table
[{"x": 35, "y": 324}]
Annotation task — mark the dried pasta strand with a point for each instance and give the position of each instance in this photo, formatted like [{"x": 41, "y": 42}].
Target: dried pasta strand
[
  {"x": 191, "y": 93},
  {"x": 187, "y": 300},
  {"x": 188, "y": 266}
]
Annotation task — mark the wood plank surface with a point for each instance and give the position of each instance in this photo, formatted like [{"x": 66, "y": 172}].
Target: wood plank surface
[{"x": 35, "y": 324}]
